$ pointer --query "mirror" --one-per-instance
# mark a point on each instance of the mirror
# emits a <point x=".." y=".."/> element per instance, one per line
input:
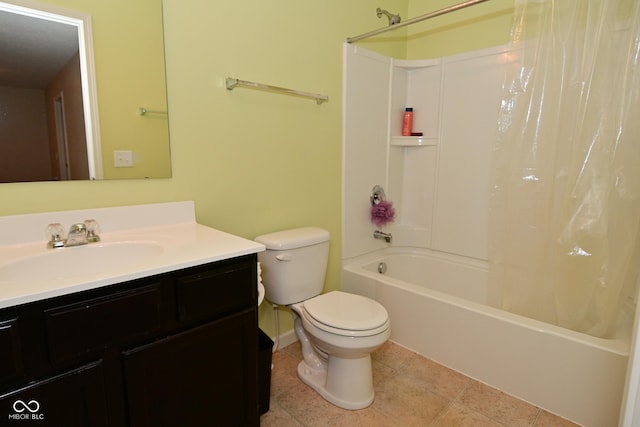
<point x="82" y="92"/>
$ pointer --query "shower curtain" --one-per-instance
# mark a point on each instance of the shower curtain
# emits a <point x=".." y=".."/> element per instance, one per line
<point x="565" y="190"/>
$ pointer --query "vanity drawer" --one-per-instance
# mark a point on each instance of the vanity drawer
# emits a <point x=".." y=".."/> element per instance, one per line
<point x="86" y="327"/>
<point x="214" y="292"/>
<point x="11" y="365"/>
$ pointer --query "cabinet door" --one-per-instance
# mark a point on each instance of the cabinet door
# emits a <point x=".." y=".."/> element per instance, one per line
<point x="84" y="328"/>
<point x="216" y="292"/>
<point x="11" y="354"/>
<point x="72" y="399"/>
<point x="204" y="376"/>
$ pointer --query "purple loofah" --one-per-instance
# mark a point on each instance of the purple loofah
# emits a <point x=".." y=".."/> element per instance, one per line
<point x="382" y="213"/>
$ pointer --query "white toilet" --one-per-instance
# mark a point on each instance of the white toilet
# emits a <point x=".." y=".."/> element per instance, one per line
<point x="338" y="331"/>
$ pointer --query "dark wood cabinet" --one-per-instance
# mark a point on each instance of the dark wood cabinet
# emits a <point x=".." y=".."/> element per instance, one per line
<point x="72" y="399"/>
<point x="175" y="349"/>
<point x="10" y="350"/>
<point x="211" y="386"/>
<point x="89" y="326"/>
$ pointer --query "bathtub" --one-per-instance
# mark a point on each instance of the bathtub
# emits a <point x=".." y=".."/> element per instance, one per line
<point x="437" y="306"/>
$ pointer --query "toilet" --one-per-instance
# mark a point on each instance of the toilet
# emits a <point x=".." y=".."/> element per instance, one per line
<point x="337" y="330"/>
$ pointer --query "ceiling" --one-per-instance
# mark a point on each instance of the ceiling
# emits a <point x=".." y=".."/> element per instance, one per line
<point x="33" y="50"/>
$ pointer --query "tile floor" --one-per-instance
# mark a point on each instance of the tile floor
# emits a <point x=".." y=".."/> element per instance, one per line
<point x="410" y="391"/>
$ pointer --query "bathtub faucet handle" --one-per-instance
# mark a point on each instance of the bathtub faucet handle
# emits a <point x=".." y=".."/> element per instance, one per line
<point x="380" y="235"/>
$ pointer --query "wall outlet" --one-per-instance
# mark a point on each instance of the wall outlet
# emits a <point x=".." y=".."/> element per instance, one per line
<point x="123" y="159"/>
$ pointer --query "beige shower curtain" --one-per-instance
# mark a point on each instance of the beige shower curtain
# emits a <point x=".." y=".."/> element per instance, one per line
<point x="565" y="200"/>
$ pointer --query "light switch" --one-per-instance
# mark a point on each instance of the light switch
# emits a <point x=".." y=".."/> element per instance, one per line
<point x="123" y="159"/>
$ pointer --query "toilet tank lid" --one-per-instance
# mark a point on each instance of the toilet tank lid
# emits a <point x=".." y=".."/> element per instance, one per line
<point x="293" y="238"/>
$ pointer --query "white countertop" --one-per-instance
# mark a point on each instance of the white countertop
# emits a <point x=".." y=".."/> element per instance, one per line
<point x="182" y="243"/>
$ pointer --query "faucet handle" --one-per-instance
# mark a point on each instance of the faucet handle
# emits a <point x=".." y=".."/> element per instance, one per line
<point x="93" y="229"/>
<point x="55" y="233"/>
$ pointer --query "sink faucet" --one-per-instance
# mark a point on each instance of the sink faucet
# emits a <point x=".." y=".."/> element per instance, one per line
<point x="380" y="235"/>
<point x="77" y="235"/>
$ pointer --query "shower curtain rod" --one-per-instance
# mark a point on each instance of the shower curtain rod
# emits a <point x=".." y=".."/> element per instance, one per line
<point x="416" y="19"/>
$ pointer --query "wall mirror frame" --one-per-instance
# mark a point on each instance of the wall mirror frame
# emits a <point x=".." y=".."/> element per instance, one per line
<point x="114" y="87"/>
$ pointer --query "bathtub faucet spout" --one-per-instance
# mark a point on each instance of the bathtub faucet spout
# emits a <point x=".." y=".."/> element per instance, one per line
<point x="377" y="234"/>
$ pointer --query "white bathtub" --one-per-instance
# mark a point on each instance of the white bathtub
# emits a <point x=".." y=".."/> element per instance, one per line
<point x="437" y="307"/>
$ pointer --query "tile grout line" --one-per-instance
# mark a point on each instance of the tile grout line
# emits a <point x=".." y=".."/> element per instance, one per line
<point x="452" y="402"/>
<point x="537" y="417"/>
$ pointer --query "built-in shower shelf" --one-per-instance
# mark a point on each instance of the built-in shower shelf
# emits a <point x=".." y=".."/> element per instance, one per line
<point x="413" y="141"/>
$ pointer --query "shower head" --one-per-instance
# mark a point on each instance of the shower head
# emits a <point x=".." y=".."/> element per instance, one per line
<point x="393" y="19"/>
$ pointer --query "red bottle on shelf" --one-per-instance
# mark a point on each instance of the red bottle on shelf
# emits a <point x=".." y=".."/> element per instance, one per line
<point x="407" y="122"/>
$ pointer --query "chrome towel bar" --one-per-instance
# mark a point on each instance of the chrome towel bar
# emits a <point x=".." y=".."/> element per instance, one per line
<point x="143" y="111"/>
<point x="232" y="83"/>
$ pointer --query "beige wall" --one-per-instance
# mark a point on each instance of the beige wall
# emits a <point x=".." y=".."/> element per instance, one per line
<point x="475" y="27"/>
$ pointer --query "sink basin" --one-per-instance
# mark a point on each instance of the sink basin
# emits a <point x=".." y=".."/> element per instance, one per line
<point x="91" y="259"/>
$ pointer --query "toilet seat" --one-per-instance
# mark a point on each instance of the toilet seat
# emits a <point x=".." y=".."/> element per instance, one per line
<point x="346" y="314"/>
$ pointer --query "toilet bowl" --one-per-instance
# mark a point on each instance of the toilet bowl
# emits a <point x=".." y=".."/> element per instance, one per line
<point x="337" y="360"/>
<point x="337" y="330"/>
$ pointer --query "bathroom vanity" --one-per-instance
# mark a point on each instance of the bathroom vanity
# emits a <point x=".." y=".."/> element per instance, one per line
<point x="170" y="339"/>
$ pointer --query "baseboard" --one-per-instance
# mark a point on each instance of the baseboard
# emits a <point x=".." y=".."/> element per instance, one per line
<point x="287" y="338"/>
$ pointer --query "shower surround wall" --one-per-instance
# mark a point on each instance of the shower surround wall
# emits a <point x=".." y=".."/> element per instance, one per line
<point x="440" y="190"/>
<point x="439" y="184"/>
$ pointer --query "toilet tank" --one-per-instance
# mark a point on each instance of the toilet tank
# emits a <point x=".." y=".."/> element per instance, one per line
<point x="294" y="264"/>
